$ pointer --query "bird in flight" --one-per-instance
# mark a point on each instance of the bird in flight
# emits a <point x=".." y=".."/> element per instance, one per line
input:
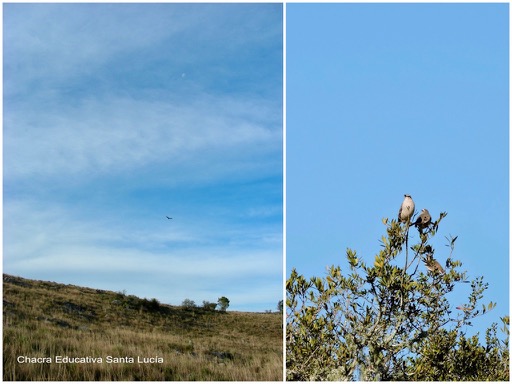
<point x="169" y="217"/>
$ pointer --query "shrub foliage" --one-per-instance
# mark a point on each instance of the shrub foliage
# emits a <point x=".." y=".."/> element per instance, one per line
<point x="391" y="319"/>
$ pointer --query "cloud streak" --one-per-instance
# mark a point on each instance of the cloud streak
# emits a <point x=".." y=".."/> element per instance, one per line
<point x="83" y="40"/>
<point x="117" y="134"/>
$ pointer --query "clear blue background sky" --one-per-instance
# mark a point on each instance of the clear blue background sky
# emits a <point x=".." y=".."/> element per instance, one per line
<point x="116" y="115"/>
<point x="388" y="99"/>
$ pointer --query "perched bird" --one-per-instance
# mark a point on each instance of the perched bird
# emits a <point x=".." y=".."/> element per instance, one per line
<point x="433" y="265"/>
<point x="169" y="217"/>
<point x="423" y="219"/>
<point x="464" y="308"/>
<point x="406" y="210"/>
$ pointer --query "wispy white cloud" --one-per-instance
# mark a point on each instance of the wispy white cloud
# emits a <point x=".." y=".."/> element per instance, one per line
<point x="118" y="134"/>
<point x="208" y="263"/>
<point x="34" y="226"/>
<point x="69" y="44"/>
<point x="53" y="45"/>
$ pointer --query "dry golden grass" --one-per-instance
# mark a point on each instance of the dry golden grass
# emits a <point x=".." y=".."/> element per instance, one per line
<point x="43" y="319"/>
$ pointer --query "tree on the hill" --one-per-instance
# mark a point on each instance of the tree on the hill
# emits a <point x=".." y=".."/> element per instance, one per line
<point x="223" y="303"/>
<point x="188" y="304"/>
<point x="280" y="306"/>
<point x="391" y="319"/>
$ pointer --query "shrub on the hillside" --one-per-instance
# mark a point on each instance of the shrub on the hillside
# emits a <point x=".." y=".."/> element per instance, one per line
<point x="209" y="306"/>
<point x="188" y="304"/>
<point x="152" y="305"/>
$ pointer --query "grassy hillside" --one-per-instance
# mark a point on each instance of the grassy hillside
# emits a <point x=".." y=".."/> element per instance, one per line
<point x="122" y="337"/>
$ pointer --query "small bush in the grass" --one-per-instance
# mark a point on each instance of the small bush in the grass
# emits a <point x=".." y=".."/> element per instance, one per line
<point x="188" y="304"/>
<point x="209" y="306"/>
<point x="152" y="305"/>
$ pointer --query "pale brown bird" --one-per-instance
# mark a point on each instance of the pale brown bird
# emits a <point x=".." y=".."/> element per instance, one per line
<point x="433" y="265"/>
<point x="406" y="209"/>
<point x="423" y="220"/>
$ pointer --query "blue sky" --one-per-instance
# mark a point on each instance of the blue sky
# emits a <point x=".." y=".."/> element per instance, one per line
<point x="388" y="99"/>
<point x="116" y="115"/>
